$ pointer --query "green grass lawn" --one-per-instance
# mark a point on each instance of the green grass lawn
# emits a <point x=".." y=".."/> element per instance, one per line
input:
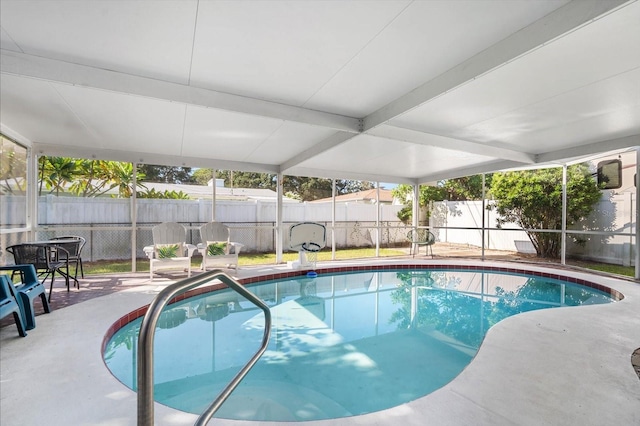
<point x="249" y="259"/>
<point x="254" y="259"/>
<point x="628" y="271"/>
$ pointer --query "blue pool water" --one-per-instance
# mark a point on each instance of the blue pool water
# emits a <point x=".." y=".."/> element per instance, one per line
<point x="341" y="345"/>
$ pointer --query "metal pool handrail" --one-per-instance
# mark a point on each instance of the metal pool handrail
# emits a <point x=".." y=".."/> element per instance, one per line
<point x="147" y="334"/>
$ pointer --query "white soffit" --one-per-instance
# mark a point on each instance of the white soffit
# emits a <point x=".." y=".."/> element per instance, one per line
<point x="568" y="82"/>
<point x="151" y="39"/>
<point x="36" y="110"/>
<point x="438" y="89"/>
<point x="426" y="39"/>
<point x="225" y="135"/>
<point x="287" y="141"/>
<point x="386" y="156"/>
<point x="606" y="109"/>
<point x="283" y="51"/>
<point x="232" y="136"/>
<point x="121" y="122"/>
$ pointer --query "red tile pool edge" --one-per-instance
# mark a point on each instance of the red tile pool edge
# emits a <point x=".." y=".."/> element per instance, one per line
<point x="131" y="316"/>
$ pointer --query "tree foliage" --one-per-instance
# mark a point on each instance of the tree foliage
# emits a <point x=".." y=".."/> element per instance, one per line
<point x="86" y="178"/>
<point x="166" y="174"/>
<point x="202" y="176"/>
<point x="90" y="178"/>
<point x="459" y="189"/>
<point x="247" y="179"/>
<point x="166" y="194"/>
<point x="466" y="188"/>
<point x="13" y="168"/>
<point x="532" y="199"/>
<point x="298" y="187"/>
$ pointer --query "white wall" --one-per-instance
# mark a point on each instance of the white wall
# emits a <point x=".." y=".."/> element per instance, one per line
<point x="468" y="214"/>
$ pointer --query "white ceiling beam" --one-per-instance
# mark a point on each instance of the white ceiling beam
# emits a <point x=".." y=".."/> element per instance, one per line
<point x="414" y="136"/>
<point x="325" y="145"/>
<point x="23" y="65"/>
<point x="565" y="155"/>
<point x="149" y="158"/>
<point x="554" y="25"/>
<point x="15" y="136"/>
<point x="468" y="171"/>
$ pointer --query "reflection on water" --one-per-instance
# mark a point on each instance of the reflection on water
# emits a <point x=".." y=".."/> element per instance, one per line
<point x="341" y="344"/>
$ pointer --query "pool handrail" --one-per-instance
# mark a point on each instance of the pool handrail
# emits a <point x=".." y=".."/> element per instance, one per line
<point x="147" y="334"/>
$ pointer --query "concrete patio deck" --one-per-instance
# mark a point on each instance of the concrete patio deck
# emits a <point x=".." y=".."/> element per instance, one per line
<point x="557" y="367"/>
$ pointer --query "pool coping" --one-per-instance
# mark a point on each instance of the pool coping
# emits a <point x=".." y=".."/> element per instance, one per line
<point x="564" y="366"/>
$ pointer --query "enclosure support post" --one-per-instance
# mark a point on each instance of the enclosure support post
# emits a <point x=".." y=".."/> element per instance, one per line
<point x="416" y="206"/>
<point x="631" y="231"/>
<point x="32" y="194"/>
<point x="333" y="219"/>
<point x="134" y="216"/>
<point x="280" y="191"/>
<point x="377" y="219"/>
<point x="563" y="240"/>
<point x="415" y="219"/>
<point x="213" y="195"/>
<point x="637" y="184"/>
<point x="483" y="213"/>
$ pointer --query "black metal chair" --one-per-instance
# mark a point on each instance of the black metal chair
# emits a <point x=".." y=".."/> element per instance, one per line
<point x="46" y="258"/>
<point x="73" y="244"/>
<point x="421" y="237"/>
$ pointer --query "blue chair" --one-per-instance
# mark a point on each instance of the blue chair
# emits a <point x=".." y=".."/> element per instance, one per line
<point x="9" y="304"/>
<point x="27" y="291"/>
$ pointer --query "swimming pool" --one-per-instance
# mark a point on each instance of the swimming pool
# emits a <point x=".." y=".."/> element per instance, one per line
<point x="342" y="344"/>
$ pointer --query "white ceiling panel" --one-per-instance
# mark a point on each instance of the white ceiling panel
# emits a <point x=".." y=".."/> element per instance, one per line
<point x="6" y="42"/>
<point x="121" y="122"/>
<point x="148" y="38"/>
<point x="425" y="40"/>
<point x="391" y="157"/>
<point x="225" y="135"/>
<point x="37" y="109"/>
<point x="393" y="91"/>
<point x="287" y="141"/>
<point x="595" y="107"/>
<point x="580" y="61"/>
<point x="614" y="125"/>
<point x="282" y="51"/>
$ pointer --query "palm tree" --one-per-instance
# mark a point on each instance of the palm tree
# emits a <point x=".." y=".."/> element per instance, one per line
<point x="13" y="168"/>
<point x="56" y="172"/>
<point x="88" y="178"/>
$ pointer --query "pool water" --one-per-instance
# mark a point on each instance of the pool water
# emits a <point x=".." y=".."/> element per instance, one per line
<point x="341" y="345"/>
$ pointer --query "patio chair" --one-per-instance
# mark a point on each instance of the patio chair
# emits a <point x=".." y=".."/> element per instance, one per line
<point x="47" y="259"/>
<point x="9" y="304"/>
<point x="216" y="246"/>
<point x="27" y="291"/>
<point x="421" y="237"/>
<point x="73" y="244"/>
<point x="170" y="249"/>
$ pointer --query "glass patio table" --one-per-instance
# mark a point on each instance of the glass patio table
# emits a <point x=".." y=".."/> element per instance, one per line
<point x="47" y="256"/>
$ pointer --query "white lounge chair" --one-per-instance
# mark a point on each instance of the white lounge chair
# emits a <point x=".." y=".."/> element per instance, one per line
<point x="216" y="247"/>
<point x="170" y="249"/>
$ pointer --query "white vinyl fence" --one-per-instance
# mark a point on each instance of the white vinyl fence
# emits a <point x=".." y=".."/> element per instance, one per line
<point x="106" y="224"/>
<point x="591" y="239"/>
